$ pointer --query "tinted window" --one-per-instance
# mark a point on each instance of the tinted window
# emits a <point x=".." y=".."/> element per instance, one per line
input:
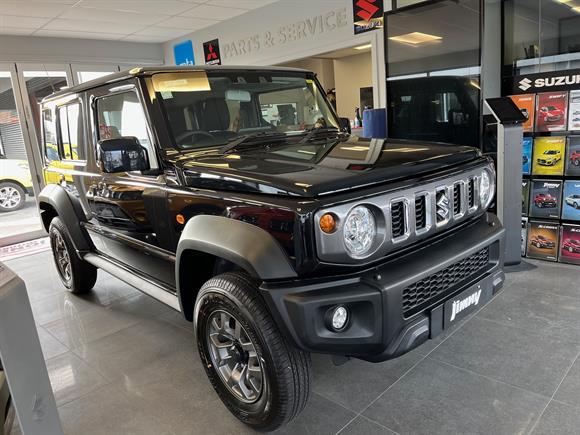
<point x="71" y="131"/>
<point x="50" y="143"/>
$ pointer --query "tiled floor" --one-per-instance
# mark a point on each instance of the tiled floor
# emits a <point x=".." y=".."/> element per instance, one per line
<point x="121" y="363"/>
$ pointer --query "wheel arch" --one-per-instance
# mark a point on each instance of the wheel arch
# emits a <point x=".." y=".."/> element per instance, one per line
<point x="210" y="245"/>
<point x="13" y="181"/>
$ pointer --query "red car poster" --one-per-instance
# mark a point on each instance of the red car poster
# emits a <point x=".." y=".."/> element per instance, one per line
<point x="543" y="240"/>
<point x="570" y="244"/>
<point x="552" y="111"/>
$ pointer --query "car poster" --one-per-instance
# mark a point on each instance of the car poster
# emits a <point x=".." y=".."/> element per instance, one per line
<point x="524" y="238"/>
<point x="551" y="111"/>
<point x="527" y="104"/>
<point x="543" y="240"/>
<point x="527" y="155"/>
<point x="573" y="156"/>
<point x="570" y="244"/>
<point x="574" y="111"/>
<point x="525" y="197"/>
<point x="549" y="155"/>
<point x="571" y="201"/>
<point x="545" y="199"/>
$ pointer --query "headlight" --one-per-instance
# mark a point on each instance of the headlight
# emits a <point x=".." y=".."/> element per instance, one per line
<point x="359" y="231"/>
<point x="486" y="188"/>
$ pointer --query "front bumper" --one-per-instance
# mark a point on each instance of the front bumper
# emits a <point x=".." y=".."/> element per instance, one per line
<point x="385" y="320"/>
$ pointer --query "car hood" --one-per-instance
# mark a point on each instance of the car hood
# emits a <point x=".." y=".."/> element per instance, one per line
<point x="317" y="168"/>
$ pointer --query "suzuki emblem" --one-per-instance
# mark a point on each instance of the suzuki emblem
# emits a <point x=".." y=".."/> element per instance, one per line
<point x="443" y="208"/>
<point x="525" y="84"/>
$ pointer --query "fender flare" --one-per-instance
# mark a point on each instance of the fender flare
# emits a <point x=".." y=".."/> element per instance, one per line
<point x="70" y="211"/>
<point x="243" y="244"/>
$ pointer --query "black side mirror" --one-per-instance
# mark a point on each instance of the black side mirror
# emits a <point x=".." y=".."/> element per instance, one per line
<point x="123" y="154"/>
<point x="345" y="125"/>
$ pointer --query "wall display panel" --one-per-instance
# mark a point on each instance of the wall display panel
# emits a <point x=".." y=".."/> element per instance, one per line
<point x="527" y="155"/>
<point x="551" y="111"/>
<point x="545" y="199"/>
<point x="571" y="201"/>
<point x="543" y="238"/>
<point x="525" y="197"/>
<point x="549" y="156"/>
<point x="527" y="104"/>
<point x="570" y="244"/>
<point x="573" y="157"/>
<point x="574" y="111"/>
<point x="524" y="236"/>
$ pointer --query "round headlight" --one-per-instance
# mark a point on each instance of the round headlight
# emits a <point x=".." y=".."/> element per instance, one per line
<point x="486" y="188"/>
<point x="359" y="231"/>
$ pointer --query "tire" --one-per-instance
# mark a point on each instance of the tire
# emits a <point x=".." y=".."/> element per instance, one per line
<point x="12" y="197"/>
<point x="281" y="392"/>
<point x="576" y="206"/>
<point x="576" y="162"/>
<point x="77" y="275"/>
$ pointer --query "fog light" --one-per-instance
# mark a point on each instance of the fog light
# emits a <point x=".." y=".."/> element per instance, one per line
<point x="337" y="318"/>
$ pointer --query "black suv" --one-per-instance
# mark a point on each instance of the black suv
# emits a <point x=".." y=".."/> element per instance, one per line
<point x="236" y="196"/>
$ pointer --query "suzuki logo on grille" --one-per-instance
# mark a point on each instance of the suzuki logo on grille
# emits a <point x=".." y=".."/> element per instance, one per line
<point x="443" y="206"/>
<point x="525" y="84"/>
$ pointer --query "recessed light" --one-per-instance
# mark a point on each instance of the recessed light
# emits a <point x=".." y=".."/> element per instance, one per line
<point x="415" y="38"/>
<point x="363" y="47"/>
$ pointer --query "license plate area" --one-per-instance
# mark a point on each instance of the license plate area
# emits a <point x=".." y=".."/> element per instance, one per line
<point x="466" y="302"/>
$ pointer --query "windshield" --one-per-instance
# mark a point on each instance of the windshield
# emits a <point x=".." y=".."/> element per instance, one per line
<point x="206" y="108"/>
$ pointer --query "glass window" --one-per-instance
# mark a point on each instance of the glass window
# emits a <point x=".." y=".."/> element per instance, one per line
<point x="71" y="131"/>
<point x="121" y="115"/>
<point x="50" y="142"/>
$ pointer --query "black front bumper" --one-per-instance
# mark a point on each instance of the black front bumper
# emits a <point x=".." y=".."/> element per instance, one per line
<point x="389" y="312"/>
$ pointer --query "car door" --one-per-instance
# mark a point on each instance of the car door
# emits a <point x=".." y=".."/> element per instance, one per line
<point x="130" y="208"/>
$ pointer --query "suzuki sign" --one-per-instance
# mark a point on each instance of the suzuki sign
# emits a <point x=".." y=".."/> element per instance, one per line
<point x="553" y="81"/>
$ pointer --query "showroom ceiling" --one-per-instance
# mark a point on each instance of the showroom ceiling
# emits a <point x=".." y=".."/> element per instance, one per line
<point x="128" y="20"/>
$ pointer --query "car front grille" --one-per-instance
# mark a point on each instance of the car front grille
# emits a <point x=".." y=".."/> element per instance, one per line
<point x="423" y="293"/>
<point x="398" y="219"/>
<point x="421" y="212"/>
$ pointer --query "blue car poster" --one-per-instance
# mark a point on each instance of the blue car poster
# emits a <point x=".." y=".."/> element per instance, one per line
<point x="571" y="201"/>
<point x="527" y="155"/>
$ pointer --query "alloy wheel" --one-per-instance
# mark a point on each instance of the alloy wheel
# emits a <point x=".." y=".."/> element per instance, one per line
<point x="234" y="356"/>
<point x="10" y="197"/>
<point x="62" y="257"/>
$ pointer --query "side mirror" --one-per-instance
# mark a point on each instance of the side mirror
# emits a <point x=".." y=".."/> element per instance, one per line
<point x="345" y="125"/>
<point x="123" y="154"/>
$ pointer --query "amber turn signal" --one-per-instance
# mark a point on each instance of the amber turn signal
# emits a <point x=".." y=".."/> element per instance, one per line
<point x="180" y="219"/>
<point x="327" y="223"/>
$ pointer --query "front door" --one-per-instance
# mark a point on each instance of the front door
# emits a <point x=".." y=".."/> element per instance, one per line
<point x="130" y="208"/>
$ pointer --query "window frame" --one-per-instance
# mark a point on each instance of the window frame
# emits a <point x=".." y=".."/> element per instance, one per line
<point x="81" y="148"/>
<point x="119" y="89"/>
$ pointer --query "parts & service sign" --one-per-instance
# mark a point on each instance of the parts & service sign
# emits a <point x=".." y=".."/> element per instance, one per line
<point x="367" y="15"/>
<point x="211" y="51"/>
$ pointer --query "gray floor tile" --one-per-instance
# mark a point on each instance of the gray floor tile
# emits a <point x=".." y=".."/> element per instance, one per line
<point x="58" y="306"/>
<point x="357" y="383"/>
<point x="556" y="278"/>
<point x="363" y="426"/>
<point x="519" y="357"/>
<point x="72" y="378"/>
<point x="538" y="311"/>
<point x="436" y="398"/>
<point x="559" y="419"/>
<point x="569" y="390"/>
<point x="51" y="347"/>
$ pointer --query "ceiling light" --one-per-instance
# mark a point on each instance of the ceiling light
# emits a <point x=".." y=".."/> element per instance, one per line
<point x="415" y="38"/>
<point x="363" y="47"/>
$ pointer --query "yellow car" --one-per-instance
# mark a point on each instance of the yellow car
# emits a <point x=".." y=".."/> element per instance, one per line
<point x="15" y="184"/>
<point x="549" y="158"/>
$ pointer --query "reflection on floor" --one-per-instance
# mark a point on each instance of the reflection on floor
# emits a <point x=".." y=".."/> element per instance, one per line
<point x="121" y="363"/>
<point x="14" y="223"/>
<point x="23" y="249"/>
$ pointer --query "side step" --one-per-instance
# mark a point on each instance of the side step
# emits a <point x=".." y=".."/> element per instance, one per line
<point x="149" y="288"/>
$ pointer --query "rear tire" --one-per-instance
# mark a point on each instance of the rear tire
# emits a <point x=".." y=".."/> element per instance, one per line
<point x="237" y="336"/>
<point x="77" y="275"/>
<point x="12" y="197"/>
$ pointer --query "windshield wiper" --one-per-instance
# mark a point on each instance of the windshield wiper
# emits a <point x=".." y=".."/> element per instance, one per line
<point x="313" y="132"/>
<point x="250" y="139"/>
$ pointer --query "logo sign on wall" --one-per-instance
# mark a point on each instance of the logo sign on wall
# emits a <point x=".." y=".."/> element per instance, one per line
<point x="368" y="15"/>
<point x="211" y="52"/>
<point x="543" y="82"/>
<point x="183" y="53"/>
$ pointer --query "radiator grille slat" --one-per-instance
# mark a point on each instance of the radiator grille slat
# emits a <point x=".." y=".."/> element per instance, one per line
<point x="427" y="291"/>
<point x="398" y="219"/>
<point x="456" y="199"/>
<point x="420" y="212"/>
<point x="471" y="193"/>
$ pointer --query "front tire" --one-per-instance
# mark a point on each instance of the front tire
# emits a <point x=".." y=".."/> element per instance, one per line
<point x="77" y="275"/>
<point x="261" y="378"/>
<point x="12" y="197"/>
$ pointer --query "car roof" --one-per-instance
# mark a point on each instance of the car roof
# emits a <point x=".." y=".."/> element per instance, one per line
<point x="148" y="71"/>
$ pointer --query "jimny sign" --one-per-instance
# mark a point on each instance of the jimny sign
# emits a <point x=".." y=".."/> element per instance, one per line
<point x="544" y="82"/>
<point x="302" y="30"/>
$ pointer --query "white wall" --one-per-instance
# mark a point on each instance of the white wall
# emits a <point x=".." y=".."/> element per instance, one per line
<point x="70" y="50"/>
<point x="350" y="74"/>
<point x="324" y="69"/>
<point x="289" y="30"/>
